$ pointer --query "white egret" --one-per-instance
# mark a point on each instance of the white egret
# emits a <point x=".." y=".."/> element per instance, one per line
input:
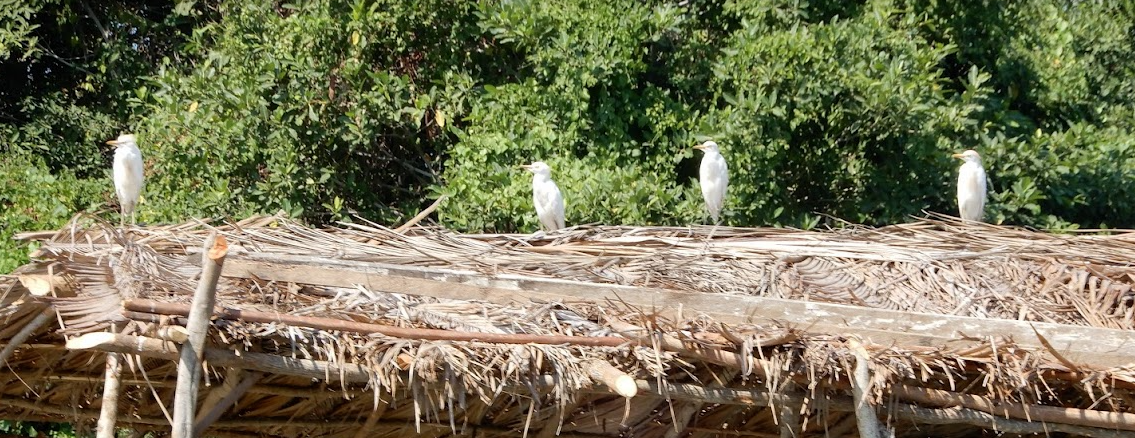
<point x="971" y="187"/>
<point x="549" y="201"/>
<point x="714" y="178"/>
<point x="128" y="177"/>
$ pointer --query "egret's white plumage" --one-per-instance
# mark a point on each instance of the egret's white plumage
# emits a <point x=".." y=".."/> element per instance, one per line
<point x="549" y="202"/>
<point x="971" y="187"/>
<point x="714" y="178"/>
<point x="128" y="177"/>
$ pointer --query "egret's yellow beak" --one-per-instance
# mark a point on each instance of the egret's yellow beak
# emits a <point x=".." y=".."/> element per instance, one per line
<point x="958" y="156"/>
<point x="524" y="166"/>
<point x="700" y="147"/>
<point x="112" y="142"/>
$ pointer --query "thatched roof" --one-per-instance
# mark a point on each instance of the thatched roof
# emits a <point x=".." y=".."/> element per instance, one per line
<point x="362" y="330"/>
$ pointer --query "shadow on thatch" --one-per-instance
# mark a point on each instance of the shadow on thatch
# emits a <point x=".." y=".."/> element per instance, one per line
<point x="365" y="331"/>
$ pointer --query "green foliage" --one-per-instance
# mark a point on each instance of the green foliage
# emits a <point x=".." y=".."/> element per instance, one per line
<point x="305" y="109"/>
<point x="37" y="429"/>
<point x="326" y="109"/>
<point x="32" y="197"/>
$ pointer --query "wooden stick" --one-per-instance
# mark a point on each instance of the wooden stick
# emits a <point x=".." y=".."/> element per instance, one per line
<point x="110" y="390"/>
<point x="1035" y="413"/>
<point x="233" y="314"/>
<point x="865" y="418"/>
<point x="189" y="367"/>
<point x="422" y="215"/>
<point x="228" y="395"/>
<point x="606" y="374"/>
<point x="44" y="316"/>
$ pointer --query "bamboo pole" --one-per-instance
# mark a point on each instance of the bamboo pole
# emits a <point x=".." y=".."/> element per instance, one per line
<point x="134" y="307"/>
<point x="865" y="418"/>
<point x="189" y="367"/>
<point x="44" y="316"/>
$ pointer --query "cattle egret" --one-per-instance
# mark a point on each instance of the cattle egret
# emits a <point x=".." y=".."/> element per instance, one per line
<point x="714" y="178"/>
<point x="971" y="187"/>
<point x="127" y="174"/>
<point x="549" y="201"/>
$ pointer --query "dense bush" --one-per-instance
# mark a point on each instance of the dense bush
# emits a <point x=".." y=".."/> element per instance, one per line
<point x="325" y="109"/>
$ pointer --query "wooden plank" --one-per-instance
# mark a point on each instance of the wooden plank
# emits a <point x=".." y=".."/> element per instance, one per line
<point x="1093" y="347"/>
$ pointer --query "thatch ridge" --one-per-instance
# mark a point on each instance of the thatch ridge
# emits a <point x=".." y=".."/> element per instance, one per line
<point x="934" y="266"/>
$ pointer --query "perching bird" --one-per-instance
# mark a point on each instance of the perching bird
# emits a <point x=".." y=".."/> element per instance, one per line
<point x="128" y="177"/>
<point x="971" y="187"/>
<point x="714" y="178"/>
<point x="549" y="201"/>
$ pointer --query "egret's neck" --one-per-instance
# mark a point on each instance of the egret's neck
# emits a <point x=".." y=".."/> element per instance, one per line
<point x="541" y="178"/>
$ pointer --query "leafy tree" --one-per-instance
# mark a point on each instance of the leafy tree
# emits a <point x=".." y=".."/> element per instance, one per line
<point x="325" y="109"/>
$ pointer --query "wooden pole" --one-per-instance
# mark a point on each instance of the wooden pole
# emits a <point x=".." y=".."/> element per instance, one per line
<point x="135" y="307"/>
<point x="44" y="316"/>
<point x="110" y="390"/>
<point x="865" y="418"/>
<point x="189" y="367"/>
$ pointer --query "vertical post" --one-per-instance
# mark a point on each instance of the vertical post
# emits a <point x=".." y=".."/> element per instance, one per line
<point x="865" y="418"/>
<point x="110" y="390"/>
<point x="192" y="353"/>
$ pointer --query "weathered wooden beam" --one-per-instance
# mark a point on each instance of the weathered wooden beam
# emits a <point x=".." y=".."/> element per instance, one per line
<point x="1093" y="347"/>
<point x="193" y="352"/>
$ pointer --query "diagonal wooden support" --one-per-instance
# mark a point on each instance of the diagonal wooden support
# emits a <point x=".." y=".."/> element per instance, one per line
<point x="237" y="382"/>
<point x="192" y="353"/>
<point x="40" y="320"/>
<point x="372" y="419"/>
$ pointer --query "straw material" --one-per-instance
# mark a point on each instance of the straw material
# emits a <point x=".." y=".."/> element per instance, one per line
<point x="937" y="266"/>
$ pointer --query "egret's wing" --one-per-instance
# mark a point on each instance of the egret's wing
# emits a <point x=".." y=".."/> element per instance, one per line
<point x="558" y="207"/>
<point x="971" y="192"/>
<point x="549" y="205"/>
